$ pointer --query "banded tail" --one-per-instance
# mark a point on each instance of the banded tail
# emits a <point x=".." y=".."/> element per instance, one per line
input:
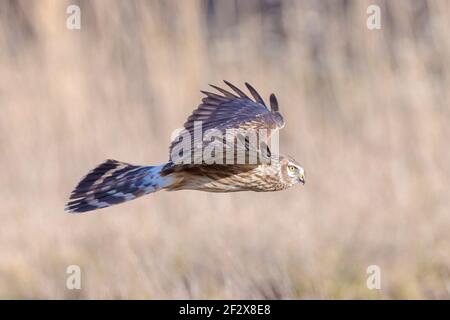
<point x="114" y="182"/>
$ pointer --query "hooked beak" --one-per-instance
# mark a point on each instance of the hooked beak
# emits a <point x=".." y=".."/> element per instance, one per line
<point x="301" y="177"/>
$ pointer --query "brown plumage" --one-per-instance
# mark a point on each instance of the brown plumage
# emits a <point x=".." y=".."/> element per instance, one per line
<point x="231" y="116"/>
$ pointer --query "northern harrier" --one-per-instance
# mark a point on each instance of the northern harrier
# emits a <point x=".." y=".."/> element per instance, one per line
<point x="114" y="182"/>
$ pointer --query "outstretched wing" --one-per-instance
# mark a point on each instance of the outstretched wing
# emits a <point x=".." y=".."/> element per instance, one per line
<point x="230" y="114"/>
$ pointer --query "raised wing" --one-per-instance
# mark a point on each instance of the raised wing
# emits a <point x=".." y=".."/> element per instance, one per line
<point x="228" y="114"/>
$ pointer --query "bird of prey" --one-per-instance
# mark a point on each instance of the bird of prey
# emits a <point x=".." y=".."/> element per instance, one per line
<point x="230" y="113"/>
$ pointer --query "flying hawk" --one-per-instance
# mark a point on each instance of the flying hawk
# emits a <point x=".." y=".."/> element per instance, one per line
<point x="232" y="114"/>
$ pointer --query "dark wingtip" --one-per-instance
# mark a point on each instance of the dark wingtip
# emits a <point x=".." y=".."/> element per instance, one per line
<point x="273" y="103"/>
<point x="255" y="94"/>
<point x="236" y="89"/>
<point x="223" y="91"/>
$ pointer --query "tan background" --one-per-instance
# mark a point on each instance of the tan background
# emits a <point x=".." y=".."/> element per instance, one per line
<point x="367" y="114"/>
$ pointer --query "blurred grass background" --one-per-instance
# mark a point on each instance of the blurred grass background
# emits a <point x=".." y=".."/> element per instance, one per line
<point x="367" y="114"/>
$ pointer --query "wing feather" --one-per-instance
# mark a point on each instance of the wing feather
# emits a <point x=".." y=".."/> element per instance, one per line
<point x="255" y="94"/>
<point x="273" y="103"/>
<point x="225" y="92"/>
<point x="236" y="89"/>
<point x="230" y="111"/>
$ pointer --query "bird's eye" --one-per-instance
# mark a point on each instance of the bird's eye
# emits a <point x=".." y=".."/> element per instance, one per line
<point x="292" y="168"/>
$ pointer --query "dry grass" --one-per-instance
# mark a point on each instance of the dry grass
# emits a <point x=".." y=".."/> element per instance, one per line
<point x="367" y="115"/>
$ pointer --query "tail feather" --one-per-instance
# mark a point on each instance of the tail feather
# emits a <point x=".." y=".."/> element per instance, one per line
<point x="114" y="182"/>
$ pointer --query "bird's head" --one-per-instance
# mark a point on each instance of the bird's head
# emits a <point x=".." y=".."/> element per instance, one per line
<point x="291" y="171"/>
